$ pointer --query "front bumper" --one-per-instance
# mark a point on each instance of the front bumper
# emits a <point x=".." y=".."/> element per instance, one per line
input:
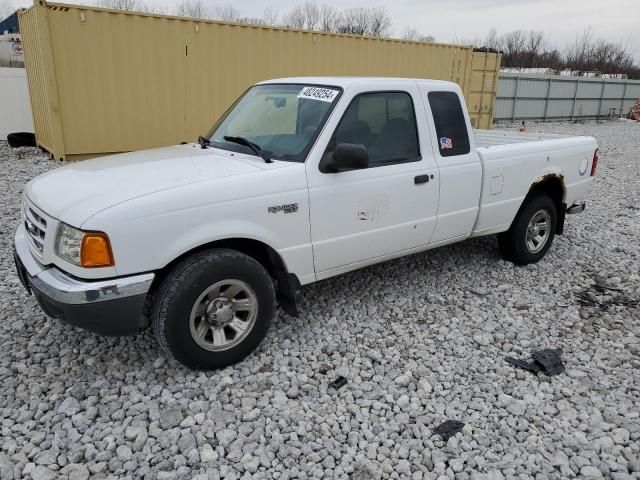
<point x="108" y="307"/>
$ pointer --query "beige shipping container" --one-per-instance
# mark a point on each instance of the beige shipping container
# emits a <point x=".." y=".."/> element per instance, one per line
<point x="104" y="81"/>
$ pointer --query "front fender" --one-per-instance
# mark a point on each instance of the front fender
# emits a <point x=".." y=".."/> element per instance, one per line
<point x="216" y="231"/>
<point x="146" y="235"/>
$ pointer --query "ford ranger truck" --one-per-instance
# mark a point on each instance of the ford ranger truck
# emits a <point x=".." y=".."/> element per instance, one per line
<point x="300" y="180"/>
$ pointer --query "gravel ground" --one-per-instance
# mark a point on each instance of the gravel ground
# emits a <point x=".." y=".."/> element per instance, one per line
<point x="420" y="340"/>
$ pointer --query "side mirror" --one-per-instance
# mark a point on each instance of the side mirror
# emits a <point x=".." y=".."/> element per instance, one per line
<point x="346" y="156"/>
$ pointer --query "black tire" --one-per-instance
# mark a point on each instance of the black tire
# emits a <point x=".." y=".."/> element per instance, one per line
<point x="183" y="287"/>
<point x="21" y="139"/>
<point x="513" y="244"/>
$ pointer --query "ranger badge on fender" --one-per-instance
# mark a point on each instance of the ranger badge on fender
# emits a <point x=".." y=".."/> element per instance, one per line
<point x="288" y="208"/>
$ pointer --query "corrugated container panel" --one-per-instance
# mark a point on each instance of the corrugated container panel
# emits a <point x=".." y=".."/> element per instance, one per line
<point x="481" y="93"/>
<point x="532" y="88"/>
<point x="633" y="91"/>
<point x="112" y="87"/>
<point x="125" y="81"/>
<point x="504" y="108"/>
<point x="530" y="108"/>
<point x="587" y="108"/>
<point x="507" y="86"/>
<point x="608" y="105"/>
<point x="562" y="89"/>
<point x="613" y="90"/>
<point x="591" y="101"/>
<point x="37" y="85"/>
<point x="482" y="61"/>
<point x="559" y="109"/>
<point x="590" y="89"/>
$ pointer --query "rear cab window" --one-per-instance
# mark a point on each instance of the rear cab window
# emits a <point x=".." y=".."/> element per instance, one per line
<point x="451" y="126"/>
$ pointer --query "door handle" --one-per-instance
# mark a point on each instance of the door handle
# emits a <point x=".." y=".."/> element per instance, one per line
<point x="421" y="179"/>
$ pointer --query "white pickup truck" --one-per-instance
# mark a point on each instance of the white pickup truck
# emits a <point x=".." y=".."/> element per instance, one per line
<point x="300" y="180"/>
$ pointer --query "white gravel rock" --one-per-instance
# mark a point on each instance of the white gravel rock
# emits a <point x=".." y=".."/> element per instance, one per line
<point x="421" y="340"/>
<point x="403" y="380"/>
<point x="590" y="472"/>
<point x="69" y="407"/>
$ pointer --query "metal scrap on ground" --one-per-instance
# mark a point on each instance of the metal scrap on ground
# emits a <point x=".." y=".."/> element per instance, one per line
<point x="448" y="429"/>
<point x="338" y="383"/>
<point x="603" y="285"/>
<point x="548" y="361"/>
<point x="587" y="300"/>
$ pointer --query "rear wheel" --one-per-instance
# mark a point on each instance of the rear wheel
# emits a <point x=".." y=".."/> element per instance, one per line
<point x="532" y="231"/>
<point x="214" y="308"/>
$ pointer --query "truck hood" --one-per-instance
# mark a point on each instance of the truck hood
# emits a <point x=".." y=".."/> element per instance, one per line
<point x="76" y="192"/>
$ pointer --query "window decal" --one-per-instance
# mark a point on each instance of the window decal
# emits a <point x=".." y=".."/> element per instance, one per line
<point x="318" y="93"/>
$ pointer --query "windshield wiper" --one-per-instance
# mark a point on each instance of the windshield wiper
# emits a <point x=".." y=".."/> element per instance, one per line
<point x="247" y="143"/>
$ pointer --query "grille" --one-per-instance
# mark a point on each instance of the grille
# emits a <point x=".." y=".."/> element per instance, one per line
<point x="36" y="227"/>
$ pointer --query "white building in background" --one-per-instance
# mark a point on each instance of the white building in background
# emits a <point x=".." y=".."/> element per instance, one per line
<point x="15" y="106"/>
<point x="11" y="54"/>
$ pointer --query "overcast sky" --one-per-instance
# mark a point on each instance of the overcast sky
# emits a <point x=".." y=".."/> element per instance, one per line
<point x="448" y="20"/>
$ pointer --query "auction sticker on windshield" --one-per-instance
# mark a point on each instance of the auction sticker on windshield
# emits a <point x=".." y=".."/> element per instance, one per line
<point x="318" y="93"/>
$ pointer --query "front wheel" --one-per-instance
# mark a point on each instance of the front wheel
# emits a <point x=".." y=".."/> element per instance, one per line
<point x="532" y="231"/>
<point x="213" y="308"/>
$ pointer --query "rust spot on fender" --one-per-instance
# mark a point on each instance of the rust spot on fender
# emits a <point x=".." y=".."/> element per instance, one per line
<point x="544" y="178"/>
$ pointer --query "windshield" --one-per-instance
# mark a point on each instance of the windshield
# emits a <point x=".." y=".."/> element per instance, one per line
<point x="283" y="120"/>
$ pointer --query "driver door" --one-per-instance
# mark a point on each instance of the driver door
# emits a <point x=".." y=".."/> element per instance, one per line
<point x="366" y="215"/>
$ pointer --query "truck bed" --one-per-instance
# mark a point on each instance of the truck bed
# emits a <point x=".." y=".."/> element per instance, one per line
<point x="493" y="138"/>
<point x="512" y="162"/>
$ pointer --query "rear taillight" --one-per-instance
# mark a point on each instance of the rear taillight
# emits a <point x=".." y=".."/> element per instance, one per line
<point x="594" y="164"/>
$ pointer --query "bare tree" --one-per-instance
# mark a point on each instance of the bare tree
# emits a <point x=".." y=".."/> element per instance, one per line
<point x="326" y="18"/>
<point x="522" y="49"/>
<point x="354" y="21"/>
<point x="305" y="16"/>
<point x="492" y="40"/>
<point x="588" y="54"/>
<point x="6" y="8"/>
<point x="192" y="9"/>
<point x="374" y="22"/>
<point x="295" y="18"/>
<point x="124" y="5"/>
<point x="157" y="8"/>
<point x="271" y="15"/>
<point x="311" y="15"/>
<point x="227" y="13"/>
<point x="413" y="34"/>
<point x="329" y="18"/>
<point x="379" y="22"/>
<point x="534" y="46"/>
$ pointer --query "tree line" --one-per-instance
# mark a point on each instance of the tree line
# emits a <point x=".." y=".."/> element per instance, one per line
<point x="368" y="21"/>
<point x="531" y="49"/>
<point x="520" y="48"/>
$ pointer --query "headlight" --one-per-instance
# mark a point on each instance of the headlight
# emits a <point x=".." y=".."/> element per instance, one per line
<point x="84" y="249"/>
<point x="69" y="243"/>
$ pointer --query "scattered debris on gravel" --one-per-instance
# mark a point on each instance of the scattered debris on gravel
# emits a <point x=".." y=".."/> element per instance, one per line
<point x="448" y="429"/>
<point x="419" y="340"/>
<point x="547" y="361"/>
<point x="338" y="383"/>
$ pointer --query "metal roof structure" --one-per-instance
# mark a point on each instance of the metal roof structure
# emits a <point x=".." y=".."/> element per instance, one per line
<point x="10" y="24"/>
